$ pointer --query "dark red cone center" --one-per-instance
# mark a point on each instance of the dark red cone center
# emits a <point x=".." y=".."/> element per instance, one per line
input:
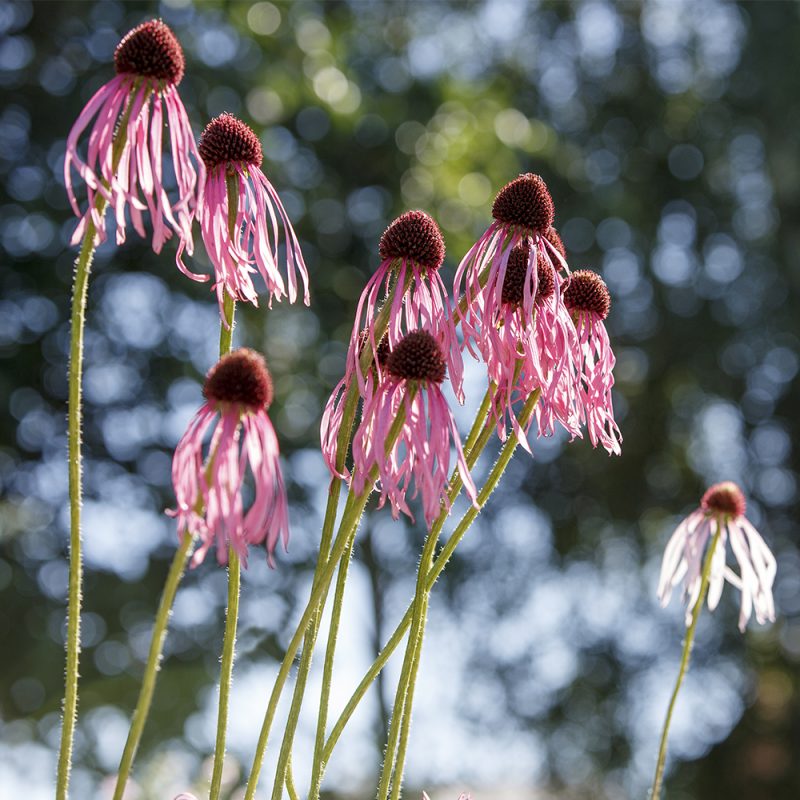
<point x="516" y="270"/>
<point x="587" y="291"/>
<point x="416" y="237"/>
<point x="151" y="50"/>
<point x="724" y="498"/>
<point x="417" y="357"/>
<point x="227" y="140"/>
<point x="526" y="203"/>
<point x="240" y="377"/>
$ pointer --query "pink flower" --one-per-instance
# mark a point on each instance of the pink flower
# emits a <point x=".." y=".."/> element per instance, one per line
<point x="410" y="384"/>
<point x="208" y="481"/>
<point x="523" y="354"/>
<point x="149" y="63"/>
<point x="523" y="212"/>
<point x="514" y="317"/>
<point x="232" y="156"/>
<point x="412" y="250"/>
<point x="722" y="508"/>
<point x="587" y="298"/>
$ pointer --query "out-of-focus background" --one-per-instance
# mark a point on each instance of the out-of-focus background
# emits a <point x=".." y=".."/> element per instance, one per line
<point x="668" y="134"/>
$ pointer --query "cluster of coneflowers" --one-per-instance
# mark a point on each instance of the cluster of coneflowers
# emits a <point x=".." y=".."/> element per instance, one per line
<point x="515" y="305"/>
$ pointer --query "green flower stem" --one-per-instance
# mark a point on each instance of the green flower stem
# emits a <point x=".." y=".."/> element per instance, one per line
<point x="506" y="452"/>
<point x="226" y="333"/>
<point x="354" y="508"/>
<point x="401" y="714"/>
<point x="480" y="432"/>
<point x="234" y="566"/>
<point x="401" y="709"/>
<point x="226" y="672"/>
<point x="290" y="787"/>
<point x="327" y="673"/>
<point x="342" y="446"/>
<point x="687" y="652"/>
<point x="83" y="268"/>
<point x="153" y="663"/>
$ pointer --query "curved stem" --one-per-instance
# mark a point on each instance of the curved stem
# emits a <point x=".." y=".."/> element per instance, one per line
<point x="342" y="445"/>
<point x="290" y="787"/>
<point x="440" y="563"/>
<point x="234" y="567"/>
<point x="83" y="268"/>
<point x="153" y="663"/>
<point x="354" y="508"/>
<point x="687" y="652"/>
<point x="226" y="672"/>
<point x="327" y="673"/>
<point x="400" y="726"/>
<point x="401" y="709"/>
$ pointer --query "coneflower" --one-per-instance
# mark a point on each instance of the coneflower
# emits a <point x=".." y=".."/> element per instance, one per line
<point x="131" y="110"/>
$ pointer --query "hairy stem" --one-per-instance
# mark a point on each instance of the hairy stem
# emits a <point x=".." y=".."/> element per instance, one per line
<point x="226" y="672"/>
<point x="327" y="672"/>
<point x="83" y="268"/>
<point x="153" y="664"/>
<point x="354" y="508"/>
<point x="687" y="652"/>
<point x="401" y="711"/>
<point x="440" y="563"/>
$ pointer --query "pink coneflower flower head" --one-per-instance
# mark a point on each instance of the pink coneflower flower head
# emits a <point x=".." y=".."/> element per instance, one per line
<point x="124" y="159"/>
<point x="523" y="210"/>
<point x="241" y="216"/>
<point x="528" y="353"/>
<point x="209" y="481"/>
<point x="410" y="385"/>
<point x="333" y="414"/>
<point x="588" y="300"/>
<point x="412" y="250"/>
<point x="721" y="509"/>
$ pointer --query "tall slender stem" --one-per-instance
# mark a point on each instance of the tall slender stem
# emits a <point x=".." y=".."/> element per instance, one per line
<point x="290" y="787"/>
<point x="342" y="445"/>
<point x="226" y="671"/>
<point x="153" y="664"/>
<point x="442" y="559"/>
<point x="327" y="672"/>
<point x="354" y="508"/>
<point x="234" y="567"/>
<point x="401" y="709"/>
<point x="687" y="652"/>
<point x="83" y="268"/>
<point x="401" y="714"/>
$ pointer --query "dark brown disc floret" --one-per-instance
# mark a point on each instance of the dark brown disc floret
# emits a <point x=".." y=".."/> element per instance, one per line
<point x="724" y="498"/>
<point x="417" y="357"/>
<point x="152" y="51"/>
<point x="587" y="291"/>
<point x="416" y="237"/>
<point x="240" y="377"/>
<point x="525" y="203"/>
<point x="227" y="140"/>
<point x="514" y="281"/>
